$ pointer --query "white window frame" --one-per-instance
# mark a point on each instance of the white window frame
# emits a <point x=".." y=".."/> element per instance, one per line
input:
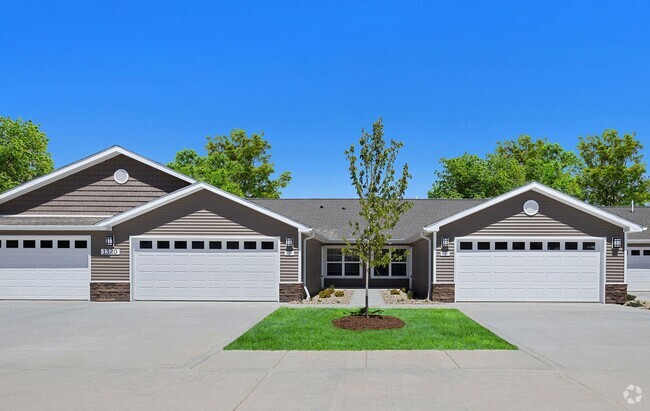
<point x="390" y="266"/>
<point x="206" y="239"/>
<point x="343" y="262"/>
<point x="527" y="241"/>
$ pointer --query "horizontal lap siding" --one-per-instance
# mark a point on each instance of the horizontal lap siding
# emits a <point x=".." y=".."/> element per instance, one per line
<point x="203" y="213"/>
<point x="507" y="219"/>
<point x="420" y="267"/>
<point x="94" y="191"/>
<point x="313" y="267"/>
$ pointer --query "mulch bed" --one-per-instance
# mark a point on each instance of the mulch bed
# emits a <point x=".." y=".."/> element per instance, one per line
<point x="375" y="322"/>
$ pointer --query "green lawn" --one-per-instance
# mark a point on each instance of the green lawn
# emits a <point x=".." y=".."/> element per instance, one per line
<point x="312" y="329"/>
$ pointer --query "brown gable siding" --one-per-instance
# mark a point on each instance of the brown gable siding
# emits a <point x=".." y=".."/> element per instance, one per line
<point x="94" y="191"/>
<point x="202" y="213"/>
<point x="508" y="219"/>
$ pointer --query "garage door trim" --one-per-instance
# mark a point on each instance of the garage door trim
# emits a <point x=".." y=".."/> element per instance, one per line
<point x="173" y="237"/>
<point x="601" y="246"/>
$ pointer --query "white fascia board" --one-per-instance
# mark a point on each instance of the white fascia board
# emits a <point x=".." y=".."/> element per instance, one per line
<point x="83" y="164"/>
<point x="627" y="225"/>
<point x="52" y="228"/>
<point x="196" y="187"/>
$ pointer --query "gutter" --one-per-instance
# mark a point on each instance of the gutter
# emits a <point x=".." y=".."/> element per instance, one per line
<point x="304" y="256"/>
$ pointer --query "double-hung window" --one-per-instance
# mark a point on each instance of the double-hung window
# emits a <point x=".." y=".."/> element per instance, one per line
<point x="398" y="266"/>
<point x="339" y="265"/>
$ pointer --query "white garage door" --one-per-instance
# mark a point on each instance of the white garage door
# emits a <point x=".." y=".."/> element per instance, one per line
<point x="211" y="269"/>
<point x="638" y="269"/>
<point x="45" y="267"/>
<point x="528" y="270"/>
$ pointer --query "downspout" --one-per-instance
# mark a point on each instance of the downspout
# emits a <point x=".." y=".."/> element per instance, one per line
<point x="428" y="264"/>
<point x="304" y="263"/>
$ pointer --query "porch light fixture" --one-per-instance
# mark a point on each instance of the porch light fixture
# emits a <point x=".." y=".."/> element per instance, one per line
<point x="110" y="240"/>
<point x="445" y="242"/>
<point x="616" y="242"/>
<point x="288" y="242"/>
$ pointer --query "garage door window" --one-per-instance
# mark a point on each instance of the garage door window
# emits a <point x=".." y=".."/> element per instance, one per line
<point x="232" y="245"/>
<point x="146" y="245"/>
<point x="215" y="245"/>
<point x="198" y="245"/>
<point x="162" y="245"/>
<point x="250" y="245"/>
<point x="180" y="245"/>
<point x="81" y="244"/>
<point x="47" y="243"/>
<point x="12" y="243"/>
<point x="552" y="245"/>
<point x="29" y="244"/>
<point x="268" y="245"/>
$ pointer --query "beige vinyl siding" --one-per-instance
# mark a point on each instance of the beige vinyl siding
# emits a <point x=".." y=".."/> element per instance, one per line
<point x="420" y="267"/>
<point x="313" y="266"/>
<point x="94" y="191"/>
<point x="202" y="213"/>
<point x="507" y="219"/>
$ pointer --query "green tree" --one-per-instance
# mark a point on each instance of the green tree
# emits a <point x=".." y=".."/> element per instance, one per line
<point x="381" y="198"/>
<point x="236" y="163"/>
<point x="545" y="162"/>
<point x="470" y="176"/>
<point x="23" y="152"/>
<point x="614" y="171"/>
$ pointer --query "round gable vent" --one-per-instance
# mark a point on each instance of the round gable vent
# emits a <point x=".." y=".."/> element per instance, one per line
<point x="121" y="176"/>
<point x="531" y="207"/>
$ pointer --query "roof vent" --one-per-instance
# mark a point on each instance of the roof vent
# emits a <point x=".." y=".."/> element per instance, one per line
<point x="531" y="207"/>
<point x="121" y="176"/>
<point x="321" y="206"/>
<point x="342" y="208"/>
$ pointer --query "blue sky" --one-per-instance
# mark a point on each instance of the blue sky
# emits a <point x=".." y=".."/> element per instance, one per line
<point x="447" y="77"/>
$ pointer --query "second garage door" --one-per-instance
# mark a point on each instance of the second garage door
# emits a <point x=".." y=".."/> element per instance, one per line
<point x="210" y="269"/>
<point x="528" y="270"/>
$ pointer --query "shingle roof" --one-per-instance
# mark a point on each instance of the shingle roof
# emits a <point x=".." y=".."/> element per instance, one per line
<point x="19" y="220"/>
<point x="641" y="215"/>
<point x="330" y="217"/>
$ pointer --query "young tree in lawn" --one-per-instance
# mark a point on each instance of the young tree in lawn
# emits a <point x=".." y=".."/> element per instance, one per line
<point x="381" y="199"/>
<point x="614" y="171"/>
<point x="236" y="163"/>
<point x="23" y="152"/>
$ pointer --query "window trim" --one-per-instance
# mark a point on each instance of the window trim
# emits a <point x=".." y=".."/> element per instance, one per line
<point x="406" y="262"/>
<point x="324" y="263"/>
<point x="545" y="240"/>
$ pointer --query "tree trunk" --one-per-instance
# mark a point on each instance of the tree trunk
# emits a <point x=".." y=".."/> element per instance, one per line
<point x="367" y="286"/>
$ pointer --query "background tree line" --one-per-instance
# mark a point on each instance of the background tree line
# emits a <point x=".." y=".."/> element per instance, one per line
<point x="607" y="170"/>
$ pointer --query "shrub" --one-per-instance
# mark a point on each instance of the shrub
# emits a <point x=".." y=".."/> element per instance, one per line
<point x="394" y="291"/>
<point x="339" y="293"/>
<point x="326" y="293"/>
<point x="630" y="297"/>
<point x="634" y="304"/>
<point x="409" y="294"/>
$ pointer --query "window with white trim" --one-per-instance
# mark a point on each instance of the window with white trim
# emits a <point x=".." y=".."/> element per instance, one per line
<point x="398" y="266"/>
<point x="339" y="265"/>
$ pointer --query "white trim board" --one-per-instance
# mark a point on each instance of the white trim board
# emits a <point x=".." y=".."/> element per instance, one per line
<point x="84" y="164"/>
<point x="191" y="189"/>
<point x="627" y="225"/>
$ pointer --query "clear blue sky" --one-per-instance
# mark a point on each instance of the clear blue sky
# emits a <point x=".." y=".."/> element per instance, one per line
<point x="447" y="77"/>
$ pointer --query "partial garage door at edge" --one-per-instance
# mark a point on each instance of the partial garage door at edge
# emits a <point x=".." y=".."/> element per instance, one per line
<point x="206" y="269"/>
<point x="45" y="267"/>
<point x="528" y="269"/>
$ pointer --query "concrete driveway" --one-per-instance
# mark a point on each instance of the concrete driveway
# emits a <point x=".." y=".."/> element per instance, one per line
<point x="169" y="356"/>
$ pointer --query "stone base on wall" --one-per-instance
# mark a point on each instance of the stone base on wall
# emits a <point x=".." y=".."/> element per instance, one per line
<point x="106" y="292"/>
<point x="615" y="293"/>
<point x="291" y="292"/>
<point x="444" y="293"/>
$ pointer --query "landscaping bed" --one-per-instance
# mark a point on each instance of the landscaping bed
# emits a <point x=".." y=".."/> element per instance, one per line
<point x="395" y="296"/>
<point x="313" y="329"/>
<point x="328" y="296"/>
<point x="633" y="301"/>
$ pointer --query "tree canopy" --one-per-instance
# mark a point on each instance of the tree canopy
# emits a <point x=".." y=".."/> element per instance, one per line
<point x="614" y="171"/>
<point x="381" y="198"/>
<point x="23" y="152"/>
<point x="607" y="170"/>
<point x="236" y="163"/>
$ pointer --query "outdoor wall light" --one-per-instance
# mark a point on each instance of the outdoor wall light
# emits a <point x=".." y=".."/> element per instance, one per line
<point x="110" y="241"/>
<point x="445" y="242"/>
<point x="289" y="242"/>
<point x="616" y="242"/>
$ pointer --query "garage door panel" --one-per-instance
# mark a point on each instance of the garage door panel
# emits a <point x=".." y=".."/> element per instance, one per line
<point x="527" y="276"/>
<point x="236" y="275"/>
